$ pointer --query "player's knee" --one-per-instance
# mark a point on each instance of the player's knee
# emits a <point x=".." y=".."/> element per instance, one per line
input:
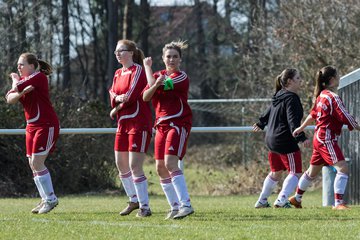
<point x="342" y="167"/>
<point x="31" y="165"/>
<point x="171" y="167"/>
<point x="298" y="175"/>
<point x="276" y="175"/>
<point x="161" y="169"/>
<point x="37" y="166"/>
<point x="136" y="169"/>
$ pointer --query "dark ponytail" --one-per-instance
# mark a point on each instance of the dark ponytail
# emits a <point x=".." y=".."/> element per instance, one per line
<point x="278" y="85"/>
<point x="138" y="56"/>
<point x="45" y="67"/>
<point x="282" y="80"/>
<point x="323" y="78"/>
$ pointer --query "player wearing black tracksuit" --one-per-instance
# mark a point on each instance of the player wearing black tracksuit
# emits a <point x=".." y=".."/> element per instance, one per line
<point x="282" y="117"/>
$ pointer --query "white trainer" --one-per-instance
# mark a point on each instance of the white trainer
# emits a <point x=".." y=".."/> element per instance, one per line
<point x="184" y="212"/>
<point x="171" y="214"/>
<point x="262" y="205"/>
<point x="48" y="206"/>
<point x="36" y="209"/>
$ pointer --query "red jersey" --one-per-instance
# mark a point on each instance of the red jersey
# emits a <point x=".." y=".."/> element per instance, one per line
<point x="172" y="105"/>
<point x="330" y="114"/>
<point x="135" y="114"/>
<point x="37" y="106"/>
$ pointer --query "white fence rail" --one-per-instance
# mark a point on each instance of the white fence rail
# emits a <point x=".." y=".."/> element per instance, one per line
<point x="113" y="130"/>
<point x="238" y="100"/>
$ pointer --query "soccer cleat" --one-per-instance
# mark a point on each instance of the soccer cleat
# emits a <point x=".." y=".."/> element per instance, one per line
<point x="143" y="212"/>
<point x="171" y="214"/>
<point x="341" y="207"/>
<point x="262" y="205"/>
<point x="184" y="212"/>
<point x="286" y="205"/>
<point x="294" y="202"/>
<point x="130" y="207"/>
<point x="36" y="209"/>
<point x="48" y="206"/>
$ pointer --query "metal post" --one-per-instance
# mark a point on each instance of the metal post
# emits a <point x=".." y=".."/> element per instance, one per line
<point x="328" y="177"/>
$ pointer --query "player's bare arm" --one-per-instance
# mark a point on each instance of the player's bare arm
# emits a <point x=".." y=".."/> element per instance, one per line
<point x="149" y="93"/>
<point x="14" y="96"/>
<point x="148" y="71"/>
<point x="115" y="110"/>
<point x="306" y="123"/>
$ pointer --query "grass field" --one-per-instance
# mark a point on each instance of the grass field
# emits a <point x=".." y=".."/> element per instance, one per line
<point x="225" y="217"/>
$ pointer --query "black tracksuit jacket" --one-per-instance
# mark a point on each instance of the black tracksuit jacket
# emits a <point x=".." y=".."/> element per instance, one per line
<point x="282" y="117"/>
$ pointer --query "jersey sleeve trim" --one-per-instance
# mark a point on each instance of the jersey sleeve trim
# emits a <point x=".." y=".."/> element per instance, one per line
<point x="138" y="70"/>
<point x="22" y="83"/>
<point x="180" y="78"/>
<point x="343" y="110"/>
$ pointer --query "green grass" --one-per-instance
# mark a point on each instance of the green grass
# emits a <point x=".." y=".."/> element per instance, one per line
<point x="202" y="180"/>
<point x="221" y="217"/>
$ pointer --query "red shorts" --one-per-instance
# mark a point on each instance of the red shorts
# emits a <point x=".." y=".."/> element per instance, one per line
<point x="326" y="153"/>
<point x="41" y="140"/>
<point x="289" y="161"/>
<point x="138" y="142"/>
<point x="170" y="140"/>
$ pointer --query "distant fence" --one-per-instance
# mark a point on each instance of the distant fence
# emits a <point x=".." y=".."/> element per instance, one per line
<point x="113" y="130"/>
<point x="349" y="91"/>
<point x="227" y="129"/>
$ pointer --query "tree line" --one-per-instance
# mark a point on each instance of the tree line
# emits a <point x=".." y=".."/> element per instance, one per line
<point x="262" y="37"/>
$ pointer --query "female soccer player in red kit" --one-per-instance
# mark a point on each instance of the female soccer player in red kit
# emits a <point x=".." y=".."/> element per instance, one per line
<point x="31" y="89"/>
<point x="134" y="126"/>
<point x="168" y="90"/>
<point x="281" y="118"/>
<point x="330" y="115"/>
